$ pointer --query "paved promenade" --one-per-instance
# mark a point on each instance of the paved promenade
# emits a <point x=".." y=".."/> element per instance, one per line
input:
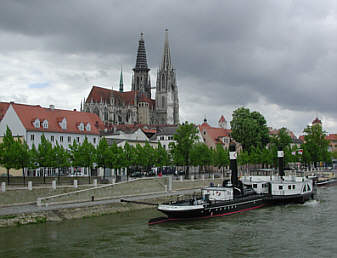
<point x="32" y="208"/>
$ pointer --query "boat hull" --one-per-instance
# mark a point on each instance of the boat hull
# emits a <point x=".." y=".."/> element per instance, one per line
<point x="214" y="209"/>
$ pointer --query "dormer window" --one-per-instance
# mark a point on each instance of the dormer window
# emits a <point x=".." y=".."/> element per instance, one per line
<point x="36" y="123"/>
<point x="45" y="124"/>
<point x="63" y="124"/>
<point x="88" y="127"/>
<point x="81" y="127"/>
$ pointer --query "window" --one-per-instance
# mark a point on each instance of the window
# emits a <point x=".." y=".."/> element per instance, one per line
<point x="289" y="187"/>
<point x="280" y="187"/>
<point x="305" y="189"/>
<point x="162" y="138"/>
<point x="88" y="127"/>
<point x="61" y="138"/>
<point x="63" y="124"/>
<point x="170" y="137"/>
<point x="81" y="127"/>
<point x="294" y="186"/>
<point x="78" y="139"/>
<point x="37" y="123"/>
<point x="52" y="138"/>
<point x="45" y="124"/>
<point x="32" y="137"/>
<point x="94" y="139"/>
<point x="254" y="185"/>
<point x="164" y="146"/>
<point x="69" y="138"/>
<point x="308" y="188"/>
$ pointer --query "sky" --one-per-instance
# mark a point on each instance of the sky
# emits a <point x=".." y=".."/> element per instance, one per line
<point x="275" y="57"/>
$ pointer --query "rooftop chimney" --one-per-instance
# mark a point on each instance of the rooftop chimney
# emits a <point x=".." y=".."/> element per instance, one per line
<point x="51" y="107"/>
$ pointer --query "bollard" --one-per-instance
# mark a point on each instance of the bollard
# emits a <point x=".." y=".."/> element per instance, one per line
<point x="192" y="177"/>
<point x="203" y="177"/>
<point x="114" y="181"/>
<point x="53" y="184"/>
<point x="3" y="187"/>
<point x="165" y="188"/>
<point x="95" y="182"/>
<point x="38" y="202"/>
<point x="170" y="184"/>
<point x="30" y="185"/>
<point x="181" y="178"/>
<point x="75" y="183"/>
<point x="212" y="176"/>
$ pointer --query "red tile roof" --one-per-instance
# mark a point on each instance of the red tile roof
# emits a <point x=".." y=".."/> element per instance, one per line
<point x="216" y="134"/>
<point x="98" y="94"/>
<point x="222" y="119"/>
<point x="331" y="137"/>
<point x="28" y="115"/>
<point x="3" y="109"/>
<point x="316" y="121"/>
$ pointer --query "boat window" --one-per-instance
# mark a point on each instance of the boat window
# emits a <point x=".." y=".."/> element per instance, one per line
<point x="280" y="187"/>
<point x="289" y="187"/>
<point x="294" y="186"/>
<point x="305" y="189"/>
<point x="254" y="185"/>
<point x="308" y="187"/>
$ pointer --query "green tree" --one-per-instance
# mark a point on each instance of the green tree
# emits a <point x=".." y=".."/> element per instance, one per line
<point x="282" y="139"/>
<point x="316" y="144"/>
<point x="130" y="156"/>
<point x="185" y="137"/>
<point x="102" y="155"/>
<point x="249" y="128"/>
<point x="23" y="159"/>
<point x="162" y="157"/>
<point x="221" y="156"/>
<point x="62" y="158"/>
<point x="8" y="152"/>
<point x="200" y="155"/>
<point x="86" y="155"/>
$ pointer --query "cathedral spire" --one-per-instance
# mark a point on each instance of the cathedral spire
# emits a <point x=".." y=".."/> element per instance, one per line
<point x="166" y="61"/>
<point x="141" y="62"/>
<point x="121" y="81"/>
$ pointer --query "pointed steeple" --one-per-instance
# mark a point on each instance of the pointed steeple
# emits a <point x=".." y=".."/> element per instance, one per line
<point x="166" y="61"/>
<point x="141" y="62"/>
<point x="121" y="81"/>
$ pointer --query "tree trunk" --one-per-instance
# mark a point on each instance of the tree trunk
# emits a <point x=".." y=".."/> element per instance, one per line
<point x="7" y="176"/>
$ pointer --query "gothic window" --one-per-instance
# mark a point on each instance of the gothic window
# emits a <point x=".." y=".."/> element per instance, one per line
<point x="96" y="111"/>
<point x="163" y="103"/>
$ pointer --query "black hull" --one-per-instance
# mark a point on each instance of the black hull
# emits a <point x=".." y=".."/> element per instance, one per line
<point x="296" y="198"/>
<point x="215" y="209"/>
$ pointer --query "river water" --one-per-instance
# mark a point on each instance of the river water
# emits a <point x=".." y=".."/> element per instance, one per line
<point x="303" y="230"/>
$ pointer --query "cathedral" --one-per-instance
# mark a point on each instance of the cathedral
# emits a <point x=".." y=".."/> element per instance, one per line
<point x="137" y="106"/>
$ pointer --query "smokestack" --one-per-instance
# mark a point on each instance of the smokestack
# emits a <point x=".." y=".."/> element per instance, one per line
<point x="280" y="156"/>
<point x="233" y="164"/>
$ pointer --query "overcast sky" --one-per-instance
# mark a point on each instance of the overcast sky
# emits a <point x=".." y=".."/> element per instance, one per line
<point x="275" y="57"/>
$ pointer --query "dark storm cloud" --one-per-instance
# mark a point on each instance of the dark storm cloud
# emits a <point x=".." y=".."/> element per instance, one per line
<point x="231" y="52"/>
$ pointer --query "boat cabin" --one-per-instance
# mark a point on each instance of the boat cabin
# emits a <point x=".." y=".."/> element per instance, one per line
<point x="217" y="193"/>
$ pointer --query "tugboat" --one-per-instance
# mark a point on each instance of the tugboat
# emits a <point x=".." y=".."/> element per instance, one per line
<point x="236" y="196"/>
<point x="282" y="189"/>
<point x="232" y="197"/>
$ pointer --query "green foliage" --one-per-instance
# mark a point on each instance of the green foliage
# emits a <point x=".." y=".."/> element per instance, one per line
<point x="185" y="137"/>
<point x="282" y="139"/>
<point x="220" y="156"/>
<point x="162" y="157"/>
<point x="315" y="147"/>
<point x="44" y="153"/>
<point x="249" y="128"/>
<point x="200" y="155"/>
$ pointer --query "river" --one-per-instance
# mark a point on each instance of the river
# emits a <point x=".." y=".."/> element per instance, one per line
<point x="303" y="230"/>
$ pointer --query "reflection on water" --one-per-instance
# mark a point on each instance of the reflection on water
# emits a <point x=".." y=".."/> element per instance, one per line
<point x="307" y="230"/>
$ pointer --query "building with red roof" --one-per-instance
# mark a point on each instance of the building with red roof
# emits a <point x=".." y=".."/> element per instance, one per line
<point x="137" y="106"/>
<point x="215" y="135"/>
<point x="57" y="125"/>
<point x="332" y="138"/>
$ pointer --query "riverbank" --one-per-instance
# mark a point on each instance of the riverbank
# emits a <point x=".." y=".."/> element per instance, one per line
<point x="92" y="202"/>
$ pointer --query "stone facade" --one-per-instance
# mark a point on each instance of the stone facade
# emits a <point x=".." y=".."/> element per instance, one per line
<point x="137" y="106"/>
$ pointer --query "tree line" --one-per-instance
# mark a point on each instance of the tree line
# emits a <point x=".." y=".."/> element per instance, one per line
<point x="248" y="128"/>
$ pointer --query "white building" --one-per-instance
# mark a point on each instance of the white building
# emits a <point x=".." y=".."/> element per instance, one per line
<point x="62" y="126"/>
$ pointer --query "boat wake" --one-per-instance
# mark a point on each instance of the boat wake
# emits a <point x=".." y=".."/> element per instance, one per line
<point x="312" y="203"/>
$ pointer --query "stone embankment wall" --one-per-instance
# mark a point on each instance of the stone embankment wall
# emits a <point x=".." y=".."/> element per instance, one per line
<point x="135" y="187"/>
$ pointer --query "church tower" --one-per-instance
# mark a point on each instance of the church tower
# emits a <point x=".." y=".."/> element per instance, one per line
<point x="141" y="79"/>
<point x="167" y="104"/>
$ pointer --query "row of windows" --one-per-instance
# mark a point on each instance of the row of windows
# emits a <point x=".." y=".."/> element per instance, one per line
<point x="280" y="187"/>
<point x="162" y="138"/>
<point x="62" y="139"/>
